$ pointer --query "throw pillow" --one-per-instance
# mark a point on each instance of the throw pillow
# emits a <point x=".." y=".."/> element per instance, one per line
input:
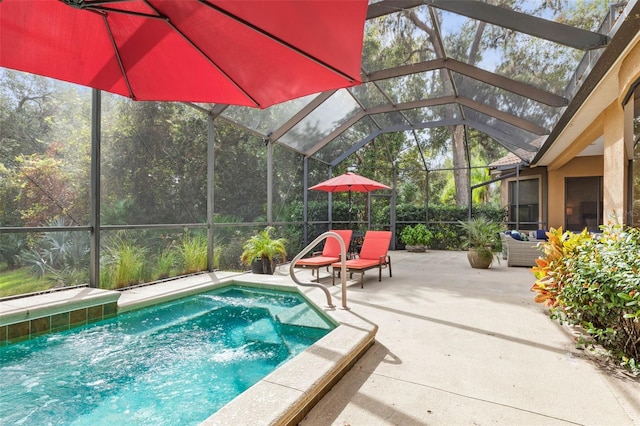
<point x="541" y="234"/>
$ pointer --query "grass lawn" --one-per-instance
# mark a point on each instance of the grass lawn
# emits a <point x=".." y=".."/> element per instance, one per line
<point x="20" y="281"/>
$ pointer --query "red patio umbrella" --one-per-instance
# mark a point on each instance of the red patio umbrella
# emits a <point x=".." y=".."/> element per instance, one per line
<point x="349" y="182"/>
<point x="250" y="52"/>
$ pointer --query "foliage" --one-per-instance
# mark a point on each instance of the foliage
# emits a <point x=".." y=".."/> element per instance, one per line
<point x="154" y="163"/>
<point x="45" y="192"/>
<point x="416" y="235"/>
<point x="264" y="247"/>
<point x="193" y="254"/>
<point x="123" y="264"/>
<point x="166" y="264"/>
<point x="229" y="255"/>
<point x="11" y="245"/>
<point x="552" y="268"/>
<point x="483" y="235"/>
<point x="443" y="221"/>
<point x="61" y="257"/>
<point x="594" y="282"/>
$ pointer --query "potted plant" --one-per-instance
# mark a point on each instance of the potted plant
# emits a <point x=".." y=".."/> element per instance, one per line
<point x="260" y="251"/>
<point x="483" y="241"/>
<point x="416" y="238"/>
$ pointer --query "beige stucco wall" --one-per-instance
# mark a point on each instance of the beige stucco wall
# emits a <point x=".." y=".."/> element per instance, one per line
<point x="578" y="167"/>
<point x="615" y="164"/>
<point x="629" y="71"/>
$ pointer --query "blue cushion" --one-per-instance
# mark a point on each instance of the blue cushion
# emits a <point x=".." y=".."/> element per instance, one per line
<point x="507" y="232"/>
<point x="516" y="236"/>
<point x="541" y="234"/>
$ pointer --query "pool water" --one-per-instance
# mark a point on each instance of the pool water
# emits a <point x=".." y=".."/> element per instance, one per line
<point x="171" y="364"/>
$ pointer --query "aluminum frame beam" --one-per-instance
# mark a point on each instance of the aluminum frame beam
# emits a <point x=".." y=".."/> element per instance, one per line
<point x="498" y="136"/>
<point x="387" y="7"/>
<point x="470" y="103"/>
<point x="493" y="79"/>
<point x="527" y="24"/>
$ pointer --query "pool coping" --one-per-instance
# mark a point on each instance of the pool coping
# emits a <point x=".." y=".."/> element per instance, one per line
<point x="281" y="398"/>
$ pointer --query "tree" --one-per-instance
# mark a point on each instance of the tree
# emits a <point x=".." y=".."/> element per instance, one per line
<point x="410" y="37"/>
<point x="154" y="157"/>
<point x="44" y="192"/>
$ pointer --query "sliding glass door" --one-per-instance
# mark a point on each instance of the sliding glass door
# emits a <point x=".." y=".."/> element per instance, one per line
<point x="583" y="203"/>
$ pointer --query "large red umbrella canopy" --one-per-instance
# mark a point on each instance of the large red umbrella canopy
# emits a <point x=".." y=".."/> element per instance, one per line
<point x="249" y="52"/>
<point x="349" y="182"/>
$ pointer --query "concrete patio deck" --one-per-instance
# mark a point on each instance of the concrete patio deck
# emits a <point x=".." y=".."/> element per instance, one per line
<point x="458" y="346"/>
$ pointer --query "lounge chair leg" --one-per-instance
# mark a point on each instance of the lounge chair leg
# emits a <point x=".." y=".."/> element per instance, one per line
<point x="389" y="264"/>
<point x="362" y="280"/>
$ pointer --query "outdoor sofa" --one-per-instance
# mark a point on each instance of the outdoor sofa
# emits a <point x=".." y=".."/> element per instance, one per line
<point x="520" y="252"/>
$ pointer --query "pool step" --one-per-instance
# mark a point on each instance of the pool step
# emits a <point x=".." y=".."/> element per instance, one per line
<point x="263" y="330"/>
<point x="303" y="315"/>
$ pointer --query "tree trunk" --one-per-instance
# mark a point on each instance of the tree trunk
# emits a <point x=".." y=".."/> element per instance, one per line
<point x="460" y="174"/>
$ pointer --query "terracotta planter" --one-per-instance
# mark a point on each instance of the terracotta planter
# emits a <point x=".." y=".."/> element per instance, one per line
<point x="478" y="260"/>
<point x="416" y="248"/>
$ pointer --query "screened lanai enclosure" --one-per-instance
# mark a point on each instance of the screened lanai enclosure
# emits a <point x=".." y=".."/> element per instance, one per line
<point x="100" y="190"/>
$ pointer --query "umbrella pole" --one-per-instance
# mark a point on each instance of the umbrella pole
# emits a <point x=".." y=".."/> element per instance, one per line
<point x="349" y="209"/>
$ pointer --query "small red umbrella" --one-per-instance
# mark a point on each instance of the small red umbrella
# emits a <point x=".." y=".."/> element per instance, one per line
<point x="250" y="52"/>
<point x="349" y="182"/>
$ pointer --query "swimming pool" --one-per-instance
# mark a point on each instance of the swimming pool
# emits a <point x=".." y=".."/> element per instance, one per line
<point x="174" y="363"/>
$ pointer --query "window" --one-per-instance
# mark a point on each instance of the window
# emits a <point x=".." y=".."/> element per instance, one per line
<point x="524" y="203"/>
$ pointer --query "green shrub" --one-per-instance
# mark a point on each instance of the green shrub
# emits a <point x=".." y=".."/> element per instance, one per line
<point x="443" y="222"/>
<point x="416" y="235"/>
<point x="595" y="283"/>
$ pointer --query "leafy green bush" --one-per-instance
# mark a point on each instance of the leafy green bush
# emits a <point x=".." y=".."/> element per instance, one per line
<point x="594" y="282"/>
<point x="416" y="235"/>
<point x="443" y="221"/>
